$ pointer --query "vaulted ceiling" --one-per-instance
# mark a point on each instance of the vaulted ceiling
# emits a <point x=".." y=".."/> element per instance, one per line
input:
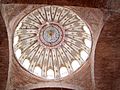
<point x="107" y="55"/>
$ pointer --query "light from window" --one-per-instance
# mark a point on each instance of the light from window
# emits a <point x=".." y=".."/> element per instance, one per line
<point x="18" y="53"/>
<point x="63" y="71"/>
<point x="26" y="64"/>
<point x="88" y="43"/>
<point x="37" y="71"/>
<point x="75" y="65"/>
<point x="84" y="55"/>
<point x="16" y="40"/>
<point x="50" y="74"/>
<point x="86" y="29"/>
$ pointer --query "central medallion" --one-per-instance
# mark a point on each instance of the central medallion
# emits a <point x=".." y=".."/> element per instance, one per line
<point x="51" y="35"/>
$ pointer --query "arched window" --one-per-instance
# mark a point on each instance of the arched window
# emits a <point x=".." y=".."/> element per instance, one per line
<point x="75" y="65"/>
<point x="63" y="71"/>
<point x="26" y="63"/>
<point x="83" y="55"/>
<point x="37" y="71"/>
<point x="86" y="29"/>
<point x="87" y="43"/>
<point x="15" y="40"/>
<point x="50" y="74"/>
<point x="18" y="53"/>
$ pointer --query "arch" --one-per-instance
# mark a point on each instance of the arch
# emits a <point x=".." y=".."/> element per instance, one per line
<point x="86" y="29"/>
<point x="88" y="43"/>
<point x="75" y="65"/>
<point x="83" y="55"/>
<point x="63" y="71"/>
<point x="18" y="53"/>
<point x="37" y="71"/>
<point x="15" y="40"/>
<point x="26" y="64"/>
<point x="50" y="74"/>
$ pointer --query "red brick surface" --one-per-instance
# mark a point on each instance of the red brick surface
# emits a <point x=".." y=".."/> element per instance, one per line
<point x="4" y="55"/>
<point x="107" y="57"/>
<point x="82" y="3"/>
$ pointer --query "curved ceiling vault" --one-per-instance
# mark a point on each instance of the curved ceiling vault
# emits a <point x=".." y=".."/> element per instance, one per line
<point x="51" y="42"/>
<point x="53" y="45"/>
<point x="104" y="72"/>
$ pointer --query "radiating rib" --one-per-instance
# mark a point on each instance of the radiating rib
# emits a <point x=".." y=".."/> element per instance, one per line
<point x="27" y="37"/>
<point x="73" y="33"/>
<point x="24" y="42"/>
<point x="57" y="65"/>
<point x="31" y="37"/>
<point x="58" y="12"/>
<point x="71" y="20"/>
<point x="31" y="22"/>
<point x="60" y="58"/>
<point x="67" y="54"/>
<point x="76" y="48"/>
<point x="64" y="57"/>
<point x="46" y="57"/>
<point x="53" y="12"/>
<point x="70" y="56"/>
<point x="64" y="13"/>
<point x="41" y="63"/>
<point x="26" y="25"/>
<point x="48" y="14"/>
<point x="26" y="53"/>
<point x="43" y="13"/>
<point x="41" y="58"/>
<point x="67" y="62"/>
<point x="31" y="58"/>
<point x="54" y="56"/>
<point x="38" y="16"/>
<point x="45" y="62"/>
<point x="36" y="58"/>
<point x="70" y="53"/>
<point x="74" y="25"/>
<point x="67" y="17"/>
<point x="33" y="17"/>
<point x="50" y="62"/>
<point x="74" y="40"/>
<point x="55" y="61"/>
<point x="75" y="53"/>
<point x="39" y="54"/>
<point x="73" y="29"/>
<point x="41" y="16"/>
<point x="25" y="31"/>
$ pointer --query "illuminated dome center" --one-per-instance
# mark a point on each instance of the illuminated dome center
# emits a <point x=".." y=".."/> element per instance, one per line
<point x="51" y="35"/>
<point x="52" y="42"/>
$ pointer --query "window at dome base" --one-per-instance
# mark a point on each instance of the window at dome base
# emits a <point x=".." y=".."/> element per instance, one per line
<point x="52" y="42"/>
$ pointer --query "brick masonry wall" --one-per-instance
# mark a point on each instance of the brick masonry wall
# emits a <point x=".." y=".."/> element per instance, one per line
<point x="107" y="58"/>
<point x="81" y="79"/>
<point x="107" y="64"/>
<point x="4" y="54"/>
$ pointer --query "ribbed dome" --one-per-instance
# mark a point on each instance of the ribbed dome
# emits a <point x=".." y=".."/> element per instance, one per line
<point x="52" y="42"/>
